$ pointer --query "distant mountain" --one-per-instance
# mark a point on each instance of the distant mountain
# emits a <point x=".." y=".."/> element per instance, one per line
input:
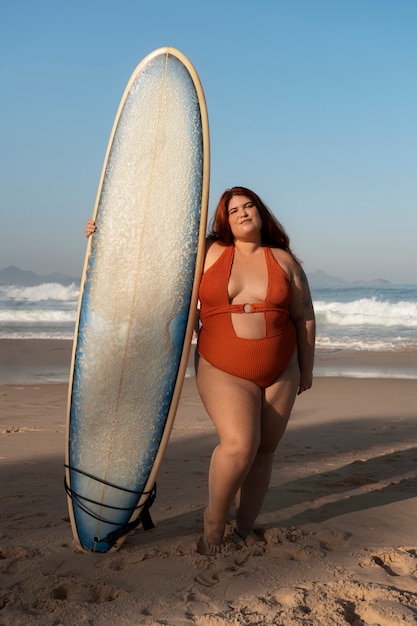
<point x="319" y="278"/>
<point x="25" y="278"/>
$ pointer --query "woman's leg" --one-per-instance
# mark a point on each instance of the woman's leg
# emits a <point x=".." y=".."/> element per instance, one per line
<point x="234" y="405"/>
<point x="276" y="409"/>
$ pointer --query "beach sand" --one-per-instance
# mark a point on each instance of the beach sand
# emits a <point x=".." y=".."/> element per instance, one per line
<point x="340" y="518"/>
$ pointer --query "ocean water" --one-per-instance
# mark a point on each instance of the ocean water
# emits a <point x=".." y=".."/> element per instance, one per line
<point x="358" y="318"/>
<point x="351" y="317"/>
<point x="366" y="317"/>
<point x="46" y="311"/>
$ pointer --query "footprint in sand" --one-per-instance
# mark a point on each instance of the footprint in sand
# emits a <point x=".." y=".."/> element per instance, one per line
<point x="346" y="603"/>
<point x="401" y="562"/>
<point x="381" y="605"/>
<point x="290" y="552"/>
<point x="12" y="553"/>
<point x="208" y="579"/>
<point x="11" y="557"/>
<point x="292" y="544"/>
<point x="80" y="591"/>
<point x="197" y="604"/>
<point x="333" y="541"/>
<point x="118" y="564"/>
<point x="196" y="596"/>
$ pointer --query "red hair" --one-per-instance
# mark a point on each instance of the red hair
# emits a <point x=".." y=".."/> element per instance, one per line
<point x="273" y="233"/>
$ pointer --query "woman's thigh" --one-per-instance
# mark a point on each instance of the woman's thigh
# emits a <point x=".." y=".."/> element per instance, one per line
<point x="233" y="404"/>
<point x="278" y="403"/>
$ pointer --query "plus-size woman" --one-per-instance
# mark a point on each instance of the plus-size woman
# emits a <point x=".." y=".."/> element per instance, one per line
<point x="256" y="352"/>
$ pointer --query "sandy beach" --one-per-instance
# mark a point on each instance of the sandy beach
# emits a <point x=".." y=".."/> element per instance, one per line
<point x="339" y="523"/>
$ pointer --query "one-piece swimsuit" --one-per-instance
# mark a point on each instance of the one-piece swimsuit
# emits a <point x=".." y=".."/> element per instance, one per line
<point x="259" y="360"/>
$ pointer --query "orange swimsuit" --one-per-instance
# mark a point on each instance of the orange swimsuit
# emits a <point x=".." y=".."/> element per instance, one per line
<point x="259" y="360"/>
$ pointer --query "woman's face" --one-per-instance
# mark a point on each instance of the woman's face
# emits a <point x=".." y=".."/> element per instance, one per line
<point x="244" y="219"/>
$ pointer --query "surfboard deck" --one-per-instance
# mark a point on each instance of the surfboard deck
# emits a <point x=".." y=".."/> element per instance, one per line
<point x="138" y="299"/>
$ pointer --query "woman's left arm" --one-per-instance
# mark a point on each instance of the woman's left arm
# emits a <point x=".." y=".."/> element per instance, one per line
<point x="302" y="315"/>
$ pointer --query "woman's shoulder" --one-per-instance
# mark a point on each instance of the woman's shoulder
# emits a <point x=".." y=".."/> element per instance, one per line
<point x="287" y="262"/>
<point x="214" y="250"/>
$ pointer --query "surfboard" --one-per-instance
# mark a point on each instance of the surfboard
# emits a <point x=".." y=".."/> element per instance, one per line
<point x="138" y="299"/>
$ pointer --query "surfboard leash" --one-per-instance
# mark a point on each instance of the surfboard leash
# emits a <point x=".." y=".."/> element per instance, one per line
<point x="111" y="538"/>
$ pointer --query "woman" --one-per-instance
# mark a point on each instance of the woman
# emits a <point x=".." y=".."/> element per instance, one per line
<point x="256" y="351"/>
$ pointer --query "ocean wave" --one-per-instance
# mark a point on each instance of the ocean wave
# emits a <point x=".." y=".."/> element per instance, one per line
<point x="37" y="334"/>
<point x="35" y="316"/>
<point x="367" y="312"/>
<point x="39" y="293"/>
<point x="371" y="344"/>
<point x="350" y="318"/>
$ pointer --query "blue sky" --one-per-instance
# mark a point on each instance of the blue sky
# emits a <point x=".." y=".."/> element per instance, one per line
<point x="312" y="103"/>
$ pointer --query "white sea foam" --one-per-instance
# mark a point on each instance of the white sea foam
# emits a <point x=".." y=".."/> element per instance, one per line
<point x="374" y="318"/>
<point x="39" y="293"/>
<point x="36" y="316"/>
<point x="43" y="311"/>
<point x="367" y="312"/>
<point x="354" y="342"/>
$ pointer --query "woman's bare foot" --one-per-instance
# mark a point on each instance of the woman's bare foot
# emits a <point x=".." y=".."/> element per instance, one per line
<point x="213" y="535"/>
<point x="249" y="537"/>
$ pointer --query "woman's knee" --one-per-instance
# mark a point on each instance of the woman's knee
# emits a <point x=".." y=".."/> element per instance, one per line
<point x="241" y="449"/>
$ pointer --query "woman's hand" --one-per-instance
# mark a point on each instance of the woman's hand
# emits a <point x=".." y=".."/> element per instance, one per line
<point x="306" y="382"/>
<point x="90" y="228"/>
